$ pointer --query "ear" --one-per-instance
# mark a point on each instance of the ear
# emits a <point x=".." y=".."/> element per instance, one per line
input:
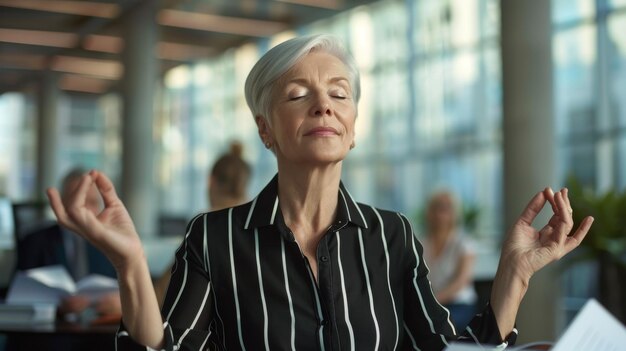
<point x="264" y="129"/>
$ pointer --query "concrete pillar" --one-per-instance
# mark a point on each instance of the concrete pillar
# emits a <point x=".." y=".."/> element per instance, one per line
<point x="529" y="142"/>
<point x="138" y="88"/>
<point x="47" y="135"/>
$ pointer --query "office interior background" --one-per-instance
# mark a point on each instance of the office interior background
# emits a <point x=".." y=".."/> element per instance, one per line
<point x="431" y="114"/>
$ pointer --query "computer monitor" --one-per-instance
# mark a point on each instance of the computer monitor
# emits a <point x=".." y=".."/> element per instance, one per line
<point x="7" y="226"/>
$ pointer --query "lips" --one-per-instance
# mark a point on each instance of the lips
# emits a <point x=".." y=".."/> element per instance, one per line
<point x="322" y="131"/>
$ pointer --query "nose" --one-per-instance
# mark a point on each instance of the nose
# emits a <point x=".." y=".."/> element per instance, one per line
<point x="322" y="107"/>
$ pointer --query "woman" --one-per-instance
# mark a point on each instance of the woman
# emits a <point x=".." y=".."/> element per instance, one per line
<point x="303" y="266"/>
<point x="450" y="258"/>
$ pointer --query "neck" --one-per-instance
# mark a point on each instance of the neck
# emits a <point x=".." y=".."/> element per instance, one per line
<point x="308" y="197"/>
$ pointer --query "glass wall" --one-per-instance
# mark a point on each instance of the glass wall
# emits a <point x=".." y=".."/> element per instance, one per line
<point x="589" y="54"/>
<point x="429" y="116"/>
<point x="590" y="78"/>
<point x="89" y="137"/>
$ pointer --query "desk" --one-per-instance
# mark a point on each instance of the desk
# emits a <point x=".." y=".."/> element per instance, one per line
<point x="59" y="336"/>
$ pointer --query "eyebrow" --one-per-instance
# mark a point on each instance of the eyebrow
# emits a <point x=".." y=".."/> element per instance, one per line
<point x="331" y="80"/>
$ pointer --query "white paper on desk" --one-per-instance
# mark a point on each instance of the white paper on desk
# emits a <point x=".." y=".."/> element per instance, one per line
<point x="593" y="329"/>
<point x="459" y="346"/>
<point x="51" y="284"/>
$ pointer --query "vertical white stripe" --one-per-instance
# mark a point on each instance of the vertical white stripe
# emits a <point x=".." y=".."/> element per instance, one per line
<point x="403" y="227"/>
<point x="291" y="313"/>
<point x="417" y="290"/>
<point x="471" y="333"/>
<point x="234" y="276"/>
<point x="369" y="289"/>
<point x="205" y="245"/>
<point x="215" y="304"/>
<point x="413" y="342"/>
<point x="393" y="301"/>
<point x="182" y="286"/>
<point x="345" y="203"/>
<point x="182" y="337"/>
<point x="204" y="300"/>
<point x="205" y="341"/>
<point x="318" y="304"/>
<point x="430" y="286"/>
<point x="274" y="210"/>
<point x="258" y="268"/>
<point x="343" y="292"/>
<point x="358" y="209"/>
<point x="250" y="213"/>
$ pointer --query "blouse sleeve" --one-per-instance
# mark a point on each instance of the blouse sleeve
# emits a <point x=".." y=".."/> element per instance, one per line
<point x="427" y="323"/>
<point x="187" y="309"/>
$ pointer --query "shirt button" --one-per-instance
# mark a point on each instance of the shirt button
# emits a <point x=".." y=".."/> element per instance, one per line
<point x="324" y="322"/>
<point x="324" y="258"/>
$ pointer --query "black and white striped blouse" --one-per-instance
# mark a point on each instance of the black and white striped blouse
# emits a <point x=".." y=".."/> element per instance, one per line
<point x="240" y="282"/>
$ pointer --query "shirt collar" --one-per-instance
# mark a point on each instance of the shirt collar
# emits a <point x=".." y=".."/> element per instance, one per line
<point x="265" y="210"/>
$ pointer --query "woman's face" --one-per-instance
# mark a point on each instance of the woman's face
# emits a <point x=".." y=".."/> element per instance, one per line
<point x="312" y="112"/>
<point x="441" y="213"/>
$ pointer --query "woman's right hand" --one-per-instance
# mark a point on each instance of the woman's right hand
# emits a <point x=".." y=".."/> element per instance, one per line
<point x="111" y="230"/>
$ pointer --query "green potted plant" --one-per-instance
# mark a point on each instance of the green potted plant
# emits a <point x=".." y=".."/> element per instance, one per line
<point x="605" y="243"/>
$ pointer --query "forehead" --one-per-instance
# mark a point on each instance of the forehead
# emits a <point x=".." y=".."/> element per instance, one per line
<point x="317" y="64"/>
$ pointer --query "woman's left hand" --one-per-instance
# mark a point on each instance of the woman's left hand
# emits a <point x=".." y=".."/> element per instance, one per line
<point x="527" y="249"/>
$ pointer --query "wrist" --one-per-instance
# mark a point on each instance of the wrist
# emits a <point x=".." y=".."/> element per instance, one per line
<point x="130" y="266"/>
<point x="510" y="283"/>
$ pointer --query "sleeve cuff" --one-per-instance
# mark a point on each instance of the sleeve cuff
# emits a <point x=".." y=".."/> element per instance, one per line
<point x="484" y="330"/>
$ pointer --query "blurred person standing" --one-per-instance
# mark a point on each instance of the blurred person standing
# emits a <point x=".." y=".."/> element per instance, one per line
<point x="227" y="186"/>
<point x="228" y="182"/>
<point x="450" y="256"/>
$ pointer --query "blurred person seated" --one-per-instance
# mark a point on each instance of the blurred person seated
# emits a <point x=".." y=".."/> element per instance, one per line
<point x="226" y="187"/>
<point x="53" y="244"/>
<point x="450" y="257"/>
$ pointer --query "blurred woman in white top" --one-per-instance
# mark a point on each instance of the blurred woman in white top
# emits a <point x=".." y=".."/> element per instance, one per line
<point x="450" y="256"/>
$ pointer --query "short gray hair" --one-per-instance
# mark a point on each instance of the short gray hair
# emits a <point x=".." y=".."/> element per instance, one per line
<point x="281" y="58"/>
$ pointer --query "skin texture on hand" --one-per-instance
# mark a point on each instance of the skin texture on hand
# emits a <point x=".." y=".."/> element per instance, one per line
<point x="112" y="231"/>
<point x="526" y="250"/>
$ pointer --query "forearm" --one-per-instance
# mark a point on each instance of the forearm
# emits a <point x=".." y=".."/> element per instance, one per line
<point x="507" y="293"/>
<point x="140" y="309"/>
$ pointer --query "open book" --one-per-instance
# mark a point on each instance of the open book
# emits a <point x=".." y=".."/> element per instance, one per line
<point x="51" y="284"/>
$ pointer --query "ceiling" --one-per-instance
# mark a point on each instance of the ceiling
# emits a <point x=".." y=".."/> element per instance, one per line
<point x="83" y="40"/>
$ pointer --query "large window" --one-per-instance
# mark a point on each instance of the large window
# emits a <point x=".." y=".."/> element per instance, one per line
<point x="429" y="116"/>
<point x="88" y="135"/>
<point x="590" y="79"/>
<point x="17" y="147"/>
